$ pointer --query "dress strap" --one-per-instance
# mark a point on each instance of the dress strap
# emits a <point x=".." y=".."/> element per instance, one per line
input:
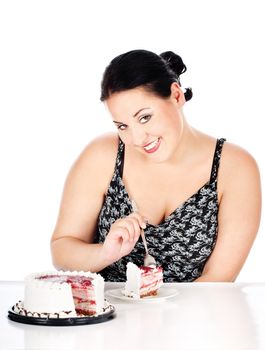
<point x="120" y="158"/>
<point x="216" y="159"/>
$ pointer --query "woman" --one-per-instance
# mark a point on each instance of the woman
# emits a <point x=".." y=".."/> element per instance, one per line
<point x="198" y="198"/>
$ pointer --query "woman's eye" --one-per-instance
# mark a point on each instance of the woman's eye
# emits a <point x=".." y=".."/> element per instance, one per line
<point x="145" y="118"/>
<point x="122" y="127"/>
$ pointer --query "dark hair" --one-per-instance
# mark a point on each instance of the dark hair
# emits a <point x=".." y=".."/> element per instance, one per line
<point x="144" y="68"/>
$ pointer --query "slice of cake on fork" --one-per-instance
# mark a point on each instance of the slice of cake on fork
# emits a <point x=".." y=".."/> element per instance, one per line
<point x="142" y="281"/>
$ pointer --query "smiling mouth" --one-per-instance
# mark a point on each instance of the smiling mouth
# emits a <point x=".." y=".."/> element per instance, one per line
<point x="152" y="146"/>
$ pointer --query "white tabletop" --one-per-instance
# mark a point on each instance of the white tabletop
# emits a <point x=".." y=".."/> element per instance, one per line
<point x="227" y="316"/>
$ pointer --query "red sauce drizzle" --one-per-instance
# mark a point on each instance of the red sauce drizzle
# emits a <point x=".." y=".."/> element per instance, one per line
<point x="76" y="281"/>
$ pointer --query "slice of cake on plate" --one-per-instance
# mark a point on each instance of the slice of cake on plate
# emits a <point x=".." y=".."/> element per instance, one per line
<point x="142" y="281"/>
<point x="63" y="294"/>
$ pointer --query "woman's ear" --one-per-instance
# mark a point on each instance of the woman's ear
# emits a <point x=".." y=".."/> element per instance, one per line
<point x="177" y="94"/>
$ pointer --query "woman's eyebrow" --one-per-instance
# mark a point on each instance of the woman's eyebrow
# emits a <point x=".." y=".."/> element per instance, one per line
<point x="114" y="121"/>
<point x="140" y="110"/>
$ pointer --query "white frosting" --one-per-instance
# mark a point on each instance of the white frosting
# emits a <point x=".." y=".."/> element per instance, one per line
<point x="19" y="309"/>
<point x="44" y="296"/>
<point x="133" y="281"/>
<point x="98" y="283"/>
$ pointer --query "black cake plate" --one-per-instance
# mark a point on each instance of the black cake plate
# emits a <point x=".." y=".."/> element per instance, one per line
<point x="107" y="314"/>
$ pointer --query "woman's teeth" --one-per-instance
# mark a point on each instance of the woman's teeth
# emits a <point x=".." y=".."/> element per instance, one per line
<point x="151" y="145"/>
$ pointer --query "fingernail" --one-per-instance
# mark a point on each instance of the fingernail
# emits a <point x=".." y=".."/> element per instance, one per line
<point x="143" y="225"/>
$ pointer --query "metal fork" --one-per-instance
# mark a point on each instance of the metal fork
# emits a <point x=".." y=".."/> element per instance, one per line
<point x="148" y="259"/>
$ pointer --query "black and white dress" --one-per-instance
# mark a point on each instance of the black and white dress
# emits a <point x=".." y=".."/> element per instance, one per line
<point x="181" y="243"/>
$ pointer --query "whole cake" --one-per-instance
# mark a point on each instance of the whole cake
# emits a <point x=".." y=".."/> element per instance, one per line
<point x="143" y="281"/>
<point x="63" y="294"/>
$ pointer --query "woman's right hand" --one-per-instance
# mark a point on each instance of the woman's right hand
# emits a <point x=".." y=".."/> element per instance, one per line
<point x="122" y="237"/>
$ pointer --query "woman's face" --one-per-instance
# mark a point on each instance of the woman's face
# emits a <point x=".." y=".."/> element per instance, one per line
<point x="149" y="124"/>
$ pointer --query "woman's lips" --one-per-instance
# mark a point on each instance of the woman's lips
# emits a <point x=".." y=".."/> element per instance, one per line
<point x="152" y="146"/>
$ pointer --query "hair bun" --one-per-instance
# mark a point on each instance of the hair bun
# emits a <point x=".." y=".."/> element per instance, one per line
<point x="188" y="93"/>
<point x="174" y="62"/>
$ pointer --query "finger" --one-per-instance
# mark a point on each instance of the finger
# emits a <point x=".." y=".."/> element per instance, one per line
<point x="126" y="248"/>
<point x="140" y="218"/>
<point x="119" y="226"/>
<point x="137" y="228"/>
<point x="130" y="226"/>
<point x="121" y="233"/>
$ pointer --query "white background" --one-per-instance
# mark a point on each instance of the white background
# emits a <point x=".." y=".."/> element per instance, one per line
<point x="53" y="54"/>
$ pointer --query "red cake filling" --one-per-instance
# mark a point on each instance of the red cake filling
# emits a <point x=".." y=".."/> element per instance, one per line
<point x="82" y="290"/>
<point x="151" y="278"/>
<point x="150" y="269"/>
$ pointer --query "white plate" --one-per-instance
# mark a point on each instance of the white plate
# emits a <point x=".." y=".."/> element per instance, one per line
<point x="163" y="294"/>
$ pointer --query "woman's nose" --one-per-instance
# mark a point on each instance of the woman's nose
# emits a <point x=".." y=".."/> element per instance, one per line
<point x="138" y="136"/>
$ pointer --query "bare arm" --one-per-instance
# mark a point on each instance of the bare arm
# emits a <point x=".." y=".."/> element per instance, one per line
<point x="72" y="244"/>
<point x="239" y="215"/>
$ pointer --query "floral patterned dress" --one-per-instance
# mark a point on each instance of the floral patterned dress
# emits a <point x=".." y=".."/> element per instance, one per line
<point x="181" y="243"/>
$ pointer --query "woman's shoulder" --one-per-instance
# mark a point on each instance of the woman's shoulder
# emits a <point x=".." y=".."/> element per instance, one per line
<point x="101" y="151"/>
<point x="103" y="146"/>
<point x="98" y="157"/>
<point x="234" y="155"/>
<point x="237" y="164"/>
